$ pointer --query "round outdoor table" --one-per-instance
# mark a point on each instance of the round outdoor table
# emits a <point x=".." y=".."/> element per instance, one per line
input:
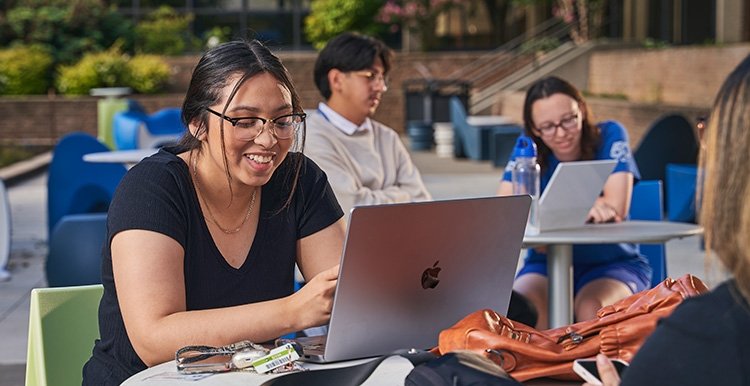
<point x="560" y="253"/>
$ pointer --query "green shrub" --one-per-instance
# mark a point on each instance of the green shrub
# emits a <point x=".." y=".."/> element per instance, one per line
<point x="165" y="32"/>
<point x="25" y="70"/>
<point x="147" y="74"/>
<point x="329" y="18"/>
<point x="101" y="69"/>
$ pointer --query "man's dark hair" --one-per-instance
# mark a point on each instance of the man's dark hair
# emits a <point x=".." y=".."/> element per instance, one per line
<point x="349" y="51"/>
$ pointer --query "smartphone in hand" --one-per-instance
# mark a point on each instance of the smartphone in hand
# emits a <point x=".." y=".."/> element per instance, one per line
<point x="586" y="369"/>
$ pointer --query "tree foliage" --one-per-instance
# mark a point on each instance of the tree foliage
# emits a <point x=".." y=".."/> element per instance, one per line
<point x="68" y="28"/>
<point x="164" y="32"/>
<point x="25" y="70"/>
<point x="329" y="18"/>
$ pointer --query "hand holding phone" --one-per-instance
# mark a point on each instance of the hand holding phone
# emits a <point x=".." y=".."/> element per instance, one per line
<point x="587" y="369"/>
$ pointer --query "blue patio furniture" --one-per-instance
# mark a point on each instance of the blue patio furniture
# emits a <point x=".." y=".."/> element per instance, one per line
<point x="481" y="142"/>
<point x="680" y="189"/>
<point x="646" y="204"/>
<point x="125" y="127"/>
<point x="163" y="127"/>
<point x="134" y="105"/>
<point x="670" y="140"/>
<point x="75" y="250"/>
<point x="75" y="186"/>
<point x="138" y="130"/>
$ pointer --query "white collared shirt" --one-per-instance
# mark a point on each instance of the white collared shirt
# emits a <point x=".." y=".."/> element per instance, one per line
<point x="341" y="123"/>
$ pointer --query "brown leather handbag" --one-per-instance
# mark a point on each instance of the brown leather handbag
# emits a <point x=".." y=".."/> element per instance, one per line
<point x="525" y="353"/>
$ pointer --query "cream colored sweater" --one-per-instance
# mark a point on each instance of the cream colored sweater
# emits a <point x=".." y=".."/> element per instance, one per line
<point x="365" y="168"/>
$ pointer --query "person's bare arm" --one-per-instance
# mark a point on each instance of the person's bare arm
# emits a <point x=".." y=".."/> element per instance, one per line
<point x="148" y="270"/>
<point x="613" y="205"/>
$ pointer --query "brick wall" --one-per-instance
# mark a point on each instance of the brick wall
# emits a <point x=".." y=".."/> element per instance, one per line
<point x="683" y="76"/>
<point x="654" y="82"/>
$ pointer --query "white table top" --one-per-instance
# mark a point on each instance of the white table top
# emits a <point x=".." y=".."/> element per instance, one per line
<point x="635" y="231"/>
<point x="120" y="156"/>
<point x="392" y="371"/>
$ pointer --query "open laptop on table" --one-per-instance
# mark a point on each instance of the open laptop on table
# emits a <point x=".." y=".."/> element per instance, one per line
<point x="571" y="192"/>
<point x="409" y="271"/>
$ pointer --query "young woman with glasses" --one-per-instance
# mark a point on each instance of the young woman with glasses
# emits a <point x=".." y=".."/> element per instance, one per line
<point x="557" y="118"/>
<point x="203" y="237"/>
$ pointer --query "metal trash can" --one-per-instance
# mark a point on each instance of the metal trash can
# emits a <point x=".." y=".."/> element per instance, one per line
<point x="428" y="101"/>
<point x="420" y="135"/>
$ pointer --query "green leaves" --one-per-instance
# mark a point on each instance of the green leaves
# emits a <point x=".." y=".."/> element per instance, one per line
<point x="329" y="18"/>
<point x="25" y="70"/>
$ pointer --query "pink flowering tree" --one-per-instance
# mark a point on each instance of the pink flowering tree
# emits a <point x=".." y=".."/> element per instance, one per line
<point x="584" y="16"/>
<point x="415" y="18"/>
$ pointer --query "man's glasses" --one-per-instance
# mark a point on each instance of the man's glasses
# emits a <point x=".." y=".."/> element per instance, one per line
<point x="372" y="76"/>
<point x="249" y="128"/>
<point x="568" y="123"/>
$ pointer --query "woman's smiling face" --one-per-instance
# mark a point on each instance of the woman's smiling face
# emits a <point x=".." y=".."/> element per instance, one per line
<point x="250" y="162"/>
<point x="558" y="121"/>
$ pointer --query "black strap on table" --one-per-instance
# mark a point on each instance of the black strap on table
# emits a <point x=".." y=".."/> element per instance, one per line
<point x="346" y="376"/>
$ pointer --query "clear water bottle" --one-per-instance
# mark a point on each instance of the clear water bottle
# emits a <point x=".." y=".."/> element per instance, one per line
<point x="525" y="176"/>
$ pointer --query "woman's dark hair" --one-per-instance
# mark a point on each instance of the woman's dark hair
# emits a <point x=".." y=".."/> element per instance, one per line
<point x="215" y="69"/>
<point x="545" y="88"/>
<point x="349" y="51"/>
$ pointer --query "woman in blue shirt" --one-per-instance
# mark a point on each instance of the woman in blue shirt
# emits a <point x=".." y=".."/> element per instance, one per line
<point x="558" y="119"/>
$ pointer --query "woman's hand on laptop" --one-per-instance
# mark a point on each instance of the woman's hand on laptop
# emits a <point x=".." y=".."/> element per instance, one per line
<point x="314" y="301"/>
<point x="601" y="212"/>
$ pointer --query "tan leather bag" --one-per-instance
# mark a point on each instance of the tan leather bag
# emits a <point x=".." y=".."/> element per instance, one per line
<point x="525" y="353"/>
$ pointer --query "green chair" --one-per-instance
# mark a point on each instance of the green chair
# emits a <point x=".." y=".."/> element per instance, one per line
<point x="63" y="324"/>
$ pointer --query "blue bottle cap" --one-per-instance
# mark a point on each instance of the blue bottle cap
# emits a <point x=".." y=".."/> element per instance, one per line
<point x="525" y="147"/>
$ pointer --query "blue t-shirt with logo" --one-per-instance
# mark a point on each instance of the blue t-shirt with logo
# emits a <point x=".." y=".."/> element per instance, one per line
<point x="614" y="145"/>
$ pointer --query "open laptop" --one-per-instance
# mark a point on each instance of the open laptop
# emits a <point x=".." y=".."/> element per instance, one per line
<point x="409" y="271"/>
<point x="571" y="192"/>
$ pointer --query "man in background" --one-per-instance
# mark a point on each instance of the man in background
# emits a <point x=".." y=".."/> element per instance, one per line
<point x="365" y="160"/>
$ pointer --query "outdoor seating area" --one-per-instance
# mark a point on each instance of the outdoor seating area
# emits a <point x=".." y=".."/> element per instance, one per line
<point x="476" y="178"/>
<point x="374" y="192"/>
<point x="80" y="187"/>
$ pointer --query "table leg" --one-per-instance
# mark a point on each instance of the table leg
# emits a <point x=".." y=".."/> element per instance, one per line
<point x="560" y="274"/>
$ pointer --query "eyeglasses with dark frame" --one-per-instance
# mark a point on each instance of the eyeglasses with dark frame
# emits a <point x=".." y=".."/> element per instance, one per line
<point x="249" y="128"/>
<point x="567" y="123"/>
<point x="373" y="77"/>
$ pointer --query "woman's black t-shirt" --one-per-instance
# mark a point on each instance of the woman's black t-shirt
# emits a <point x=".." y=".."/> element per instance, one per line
<point x="158" y="195"/>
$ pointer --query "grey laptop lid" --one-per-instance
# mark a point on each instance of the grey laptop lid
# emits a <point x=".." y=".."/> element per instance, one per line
<point x="571" y="192"/>
<point x="409" y="271"/>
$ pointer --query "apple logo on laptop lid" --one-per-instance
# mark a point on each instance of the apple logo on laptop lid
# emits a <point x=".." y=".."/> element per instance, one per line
<point x="430" y="276"/>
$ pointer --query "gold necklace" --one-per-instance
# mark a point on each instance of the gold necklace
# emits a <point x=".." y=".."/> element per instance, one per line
<point x="208" y="208"/>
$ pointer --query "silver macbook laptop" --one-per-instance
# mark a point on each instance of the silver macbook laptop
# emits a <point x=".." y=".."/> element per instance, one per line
<point x="571" y="192"/>
<point x="409" y="271"/>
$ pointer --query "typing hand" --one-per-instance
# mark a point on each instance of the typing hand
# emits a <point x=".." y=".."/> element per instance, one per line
<point x="602" y="213"/>
<point x="314" y="300"/>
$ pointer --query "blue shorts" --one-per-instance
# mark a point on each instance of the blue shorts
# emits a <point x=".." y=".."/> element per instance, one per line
<point x="634" y="273"/>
